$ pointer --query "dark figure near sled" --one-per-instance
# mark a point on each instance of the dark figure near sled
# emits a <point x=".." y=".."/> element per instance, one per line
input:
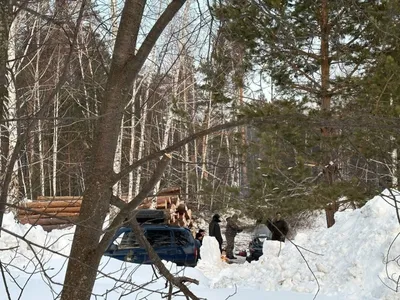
<point x="199" y="242"/>
<point x="278" y="227"/>
<point x="232" y="229"/>
<point x="215" y="231"/>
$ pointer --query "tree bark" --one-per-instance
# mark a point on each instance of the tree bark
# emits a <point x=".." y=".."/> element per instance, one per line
<point x="55" y="128"/>
<point x="5" y="24"/>
<point x="125" y="66"/>
<point x="325" y="64"/>
<point x="142" y="123"/>
<point x="11" y="107"/>
<point x="132" y="143"/>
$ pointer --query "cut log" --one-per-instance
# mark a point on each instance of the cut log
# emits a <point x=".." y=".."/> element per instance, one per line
<point x="163" y="199"/>
<point x="58" y="198"/>
<point x="38" y="204"/>
<point x="62" y="214"/>
<point x="172" y="219"/>
<point x="188" y="214"/>
<point x="182" y="222"/>
<point x="169" y="191"/>
<point x="161" y="206"/>
<point x="41" y="220"/>
<point x="48" y="221"/>
<point x="39" y="210"/>
<point x="181" y="208"/>
<point x="172" y="208"/>
<point x="162" y="203"/>
<point x="34" y="218"/>
<point x="190" y="224"/>
<point x="175" y="200"/>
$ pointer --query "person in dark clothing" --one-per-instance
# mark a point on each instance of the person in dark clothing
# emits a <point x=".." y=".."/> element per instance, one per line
<point x="202" y="231"/>
<point x="215" y="231"/>
<point x="232" y="229"/>
<point x="198" y="242"/>
<point x="279" y="228"/>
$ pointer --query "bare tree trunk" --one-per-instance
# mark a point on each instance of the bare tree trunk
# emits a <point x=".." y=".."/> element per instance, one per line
<point x="83" y="74"/>
<point x="126" y="64"/>
<point x="325" y="64"/>
<point x="186" y="149"/>
<point x="176" y="91"/>
<point x="36" y="104"/>
<point x="13" y="189"/>
<point x="168" y="126"/>
<point x="143" y="119"/>
<point x="185" y="105"/>
<point x="5" y="24"/>
<point x="132" y="144"/>
<point x="244" y="181"/>
<point x="118" y="160"/>
<point x="55" y="128"/>
<point x="215" y="183"/>
<point x="96" y="100"/>
<point x="231" y="164"/>
<point x="195" y="154"/>
<point x="41" y="156"/>
<point x="204" y="149"/>
<point x="118" y="152"/>
<point x="395" y="161"/>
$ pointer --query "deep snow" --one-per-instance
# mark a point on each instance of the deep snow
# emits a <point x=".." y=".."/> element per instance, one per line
<point x="357" y="258"/>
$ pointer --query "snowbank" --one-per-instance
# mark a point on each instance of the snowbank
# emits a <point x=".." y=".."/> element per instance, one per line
<point x="209" y="252"/>
<point x="21" y="252"/>
<point x="356" y="257"/>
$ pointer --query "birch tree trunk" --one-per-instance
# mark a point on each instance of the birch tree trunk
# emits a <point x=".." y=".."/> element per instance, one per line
<point x="32" y="167"/>
<point x="395" y="161"/>
<point x="231" y="163"/>
<point x="204" y="148"/>
<point x="197" y="168"/>
<point x="132" y="144"/>
<point x="133" y="187"/>
<point x="186" y="149"/>
<point x="244" y="177"/>
<point x="41" y="155"/>
<point x="55" y="127"/>
<point x="13" y="189"/>
<point x="168" y="125"/>
<point x="118" y="159"/>
<point x="142" y="121"/>
<point x="395" y="180"/>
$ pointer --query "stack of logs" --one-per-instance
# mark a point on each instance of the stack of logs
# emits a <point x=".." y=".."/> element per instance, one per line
<point x="169" y="201"/>
<point x="178" y="212"/>
<point x="51" y="212"/>
<point x="62" y="211"/>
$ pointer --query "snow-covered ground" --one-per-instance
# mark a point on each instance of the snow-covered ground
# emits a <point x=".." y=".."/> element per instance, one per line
<point x="357" y="258"/>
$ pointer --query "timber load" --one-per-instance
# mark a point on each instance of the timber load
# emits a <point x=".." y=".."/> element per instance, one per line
<point x="168" y="200"/>
<point x="50" y="212"/>
<point x="63" y="211"/>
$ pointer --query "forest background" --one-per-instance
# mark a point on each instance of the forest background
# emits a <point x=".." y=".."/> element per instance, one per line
<point x="258" y="105"/>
